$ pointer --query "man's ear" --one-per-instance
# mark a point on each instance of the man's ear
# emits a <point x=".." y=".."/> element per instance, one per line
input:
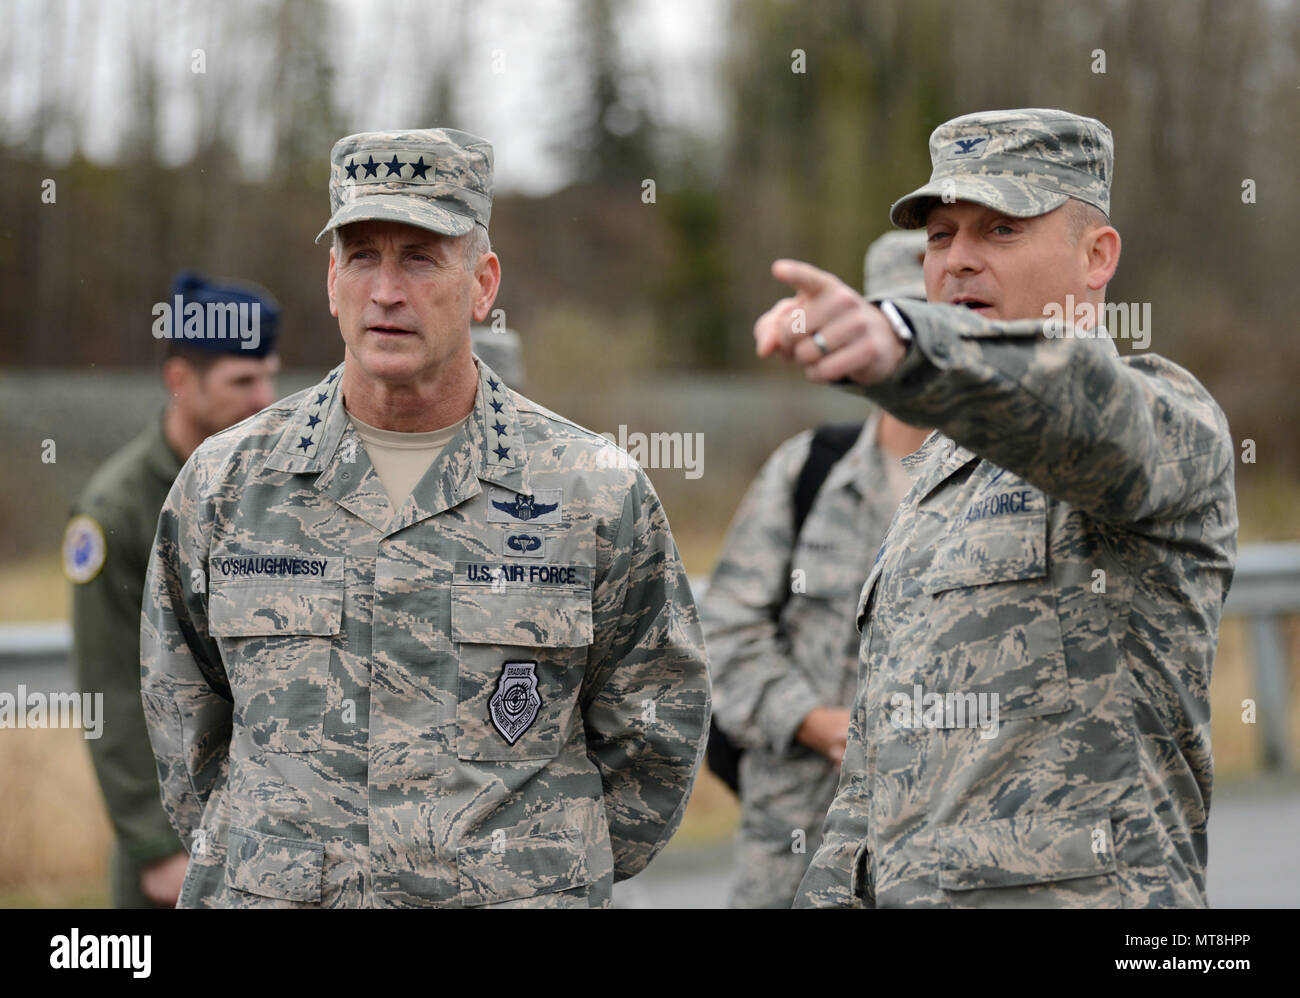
<point x="178" y="377"/>
<point x="487" y="274"/>
<point x="1102" y="246"/>
<point x="331" y="277"/>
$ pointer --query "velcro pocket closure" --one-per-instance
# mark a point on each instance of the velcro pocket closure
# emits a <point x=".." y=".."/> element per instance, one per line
<point x="518" y="609"/>
<point x="1000" y="537"/>
<point x="275" y="867"/>
<point x="522" y="867"/>
<point x="1027" y="849"/>
<point x="521" y="662"/>
<point x="993" y="629"/>
<point x="289" y="595"/>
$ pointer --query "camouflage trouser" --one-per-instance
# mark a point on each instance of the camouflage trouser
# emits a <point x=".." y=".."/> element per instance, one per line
<point x="768" y="872"/>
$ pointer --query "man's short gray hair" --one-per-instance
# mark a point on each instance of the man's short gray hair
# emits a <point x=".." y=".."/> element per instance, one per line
<point x="474" y="244"/>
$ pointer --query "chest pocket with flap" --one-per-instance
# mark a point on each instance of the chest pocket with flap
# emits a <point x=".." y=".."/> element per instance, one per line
<point x="992" y="623"/>
<point x="522" y="652"/>
<point x="276" y="621"/>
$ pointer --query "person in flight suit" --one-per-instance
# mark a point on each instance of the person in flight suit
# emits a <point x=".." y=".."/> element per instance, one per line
<point x="409" y="638"/>
<point x="212" y="382"/>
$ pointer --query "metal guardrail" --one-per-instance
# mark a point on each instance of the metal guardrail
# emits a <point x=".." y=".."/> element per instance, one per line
<point x="1265" y="588"/>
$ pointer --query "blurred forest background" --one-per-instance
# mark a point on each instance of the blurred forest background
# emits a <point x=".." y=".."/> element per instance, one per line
<point x="158" y="167"/>
<point x="769" y="128"/>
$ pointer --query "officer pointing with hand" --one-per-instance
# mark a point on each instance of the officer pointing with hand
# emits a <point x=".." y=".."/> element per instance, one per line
<point x="1031" y="725"/>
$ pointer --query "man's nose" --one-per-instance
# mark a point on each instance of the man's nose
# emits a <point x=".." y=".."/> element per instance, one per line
<point x="388" y="288"/>
<point x="964" y="255"/>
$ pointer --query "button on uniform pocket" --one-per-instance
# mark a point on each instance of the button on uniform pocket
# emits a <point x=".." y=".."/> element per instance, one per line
<point x="522" y="651"/>
<point x="277" y="634"/>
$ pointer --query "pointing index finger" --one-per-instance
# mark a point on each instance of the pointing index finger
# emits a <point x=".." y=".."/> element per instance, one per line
<point x="803" y="277"/>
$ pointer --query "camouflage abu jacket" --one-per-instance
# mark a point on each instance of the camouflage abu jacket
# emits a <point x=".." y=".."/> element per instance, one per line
<point x="499" y="697"/>
<point x="1032" y="718"/>
<point x="776" y="658"/>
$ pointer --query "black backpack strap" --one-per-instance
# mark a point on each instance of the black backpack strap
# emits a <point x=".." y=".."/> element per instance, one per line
<point x="830" y="442"/>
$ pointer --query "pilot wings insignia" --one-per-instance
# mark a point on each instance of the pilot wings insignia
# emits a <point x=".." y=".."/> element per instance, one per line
<point x="542" y="506"/>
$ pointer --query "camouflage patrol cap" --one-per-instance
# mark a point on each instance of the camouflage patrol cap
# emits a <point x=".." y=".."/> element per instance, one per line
<point x="435" y="178"/>
<point x="1023" y="163"/>
<point x="893" y="267"/>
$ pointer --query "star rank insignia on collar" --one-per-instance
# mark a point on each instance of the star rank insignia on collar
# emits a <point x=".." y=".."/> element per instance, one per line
<point x="501" y="451"/>
<point x="316" y="409"/>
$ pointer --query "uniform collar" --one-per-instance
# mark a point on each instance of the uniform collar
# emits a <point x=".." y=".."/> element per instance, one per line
<point x="320" y="438"/>
<point x="935" y="460"/>
<point x="161" y="459"/>
<point x="861" y="462"/>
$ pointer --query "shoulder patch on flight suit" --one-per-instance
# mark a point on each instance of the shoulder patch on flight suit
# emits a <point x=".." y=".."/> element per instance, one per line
<point x="540" y="507"/>
<point x="84" y="549"/>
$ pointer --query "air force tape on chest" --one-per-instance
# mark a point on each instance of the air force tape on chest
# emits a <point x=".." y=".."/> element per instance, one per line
<point x="502" y="575"/>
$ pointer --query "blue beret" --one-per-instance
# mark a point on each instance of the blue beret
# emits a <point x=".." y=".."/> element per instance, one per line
<point x="232" y="317"/>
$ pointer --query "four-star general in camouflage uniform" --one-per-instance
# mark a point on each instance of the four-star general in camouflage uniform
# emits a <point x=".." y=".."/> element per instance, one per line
<point x="776" y="654"/>
<point x="1067" y="546"/>
<point x="495" y="695"/>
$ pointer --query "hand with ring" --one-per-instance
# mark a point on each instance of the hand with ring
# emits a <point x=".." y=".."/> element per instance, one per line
<point x="849" y="338"/>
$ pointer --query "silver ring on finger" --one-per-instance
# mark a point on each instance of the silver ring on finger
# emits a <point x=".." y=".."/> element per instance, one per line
<point x="820" y="341"/>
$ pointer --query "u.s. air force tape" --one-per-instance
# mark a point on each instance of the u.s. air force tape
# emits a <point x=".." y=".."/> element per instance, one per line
<point x="522" y="576"/>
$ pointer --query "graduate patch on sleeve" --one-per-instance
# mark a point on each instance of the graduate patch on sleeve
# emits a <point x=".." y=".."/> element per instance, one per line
<point x="84" y="549"/>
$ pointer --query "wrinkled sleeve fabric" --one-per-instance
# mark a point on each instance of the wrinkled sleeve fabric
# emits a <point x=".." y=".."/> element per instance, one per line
<point x="645" y="698"/>
<point x="187" y="702"/>
<point x="1124" y="440"/>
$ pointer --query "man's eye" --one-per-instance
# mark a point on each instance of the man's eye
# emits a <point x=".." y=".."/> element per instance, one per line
<point x="934" y="237"/>
<point x="1004" y="230"/>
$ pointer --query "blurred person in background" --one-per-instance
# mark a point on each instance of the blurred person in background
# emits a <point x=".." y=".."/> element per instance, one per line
<point x="779" y="616"/>
<point x="503" y="351"/>
<point x="212" y="382"/>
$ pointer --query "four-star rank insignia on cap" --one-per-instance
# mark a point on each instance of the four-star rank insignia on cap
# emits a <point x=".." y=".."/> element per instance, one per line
<point x="84" y="549"/>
